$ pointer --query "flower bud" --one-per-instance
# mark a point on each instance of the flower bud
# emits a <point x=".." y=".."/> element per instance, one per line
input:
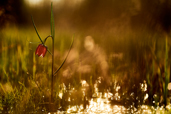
<point x="41" y="50"/>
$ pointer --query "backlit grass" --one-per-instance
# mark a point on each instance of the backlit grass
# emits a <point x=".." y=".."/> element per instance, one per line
<point x="136" y="70"/>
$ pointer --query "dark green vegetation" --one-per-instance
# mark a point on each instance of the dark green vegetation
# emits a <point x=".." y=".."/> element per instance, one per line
<point x="133" y="64"/>
<point x="129" y="60"/>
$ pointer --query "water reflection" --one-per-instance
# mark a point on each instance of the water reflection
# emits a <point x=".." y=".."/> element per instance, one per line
<point x="101" y="103"/>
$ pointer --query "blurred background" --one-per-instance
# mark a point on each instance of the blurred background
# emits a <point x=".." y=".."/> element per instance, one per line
<point x="88" y="15"/>
<point x="121" y="44"/>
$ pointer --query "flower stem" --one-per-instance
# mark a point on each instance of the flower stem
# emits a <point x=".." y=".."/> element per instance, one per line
<point x="53" y="36"/>
<point x="52" y="69"/>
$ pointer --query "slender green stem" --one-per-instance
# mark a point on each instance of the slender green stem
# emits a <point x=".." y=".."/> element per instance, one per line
<point x="52" y="53"/>
<point x="47" y="38"/>
<point x="45" y="41"/>
<point x="52" y="69"/>
<point x="53" y="36"/>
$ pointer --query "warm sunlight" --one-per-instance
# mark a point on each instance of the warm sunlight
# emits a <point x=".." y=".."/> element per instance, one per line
<point x="33" y="2"/>
<point x="38" y="2"/>
<point x="85" y="56"/>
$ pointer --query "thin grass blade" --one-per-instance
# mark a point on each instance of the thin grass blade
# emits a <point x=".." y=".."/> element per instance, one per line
<point x="36" y="30"/>
<point x="65" y="58"/>
<point x="52" y="22"/>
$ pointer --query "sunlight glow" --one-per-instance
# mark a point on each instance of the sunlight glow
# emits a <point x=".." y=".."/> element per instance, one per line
<point x="33" y="2"/>
<point x="169" y="86"/>
<point x="100" y="103"/>
<point x="39" y="2"/>
<point x="144" y="86"/>
<point x="146" y="97"/>
<point x="60" y="95"/>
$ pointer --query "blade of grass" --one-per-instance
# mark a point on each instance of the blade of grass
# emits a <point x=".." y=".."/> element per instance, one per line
<point x="36" y="30"/>
<point x="52" y="22"/>
<point x="65" y="58"/>
<point x="39" y="35"/>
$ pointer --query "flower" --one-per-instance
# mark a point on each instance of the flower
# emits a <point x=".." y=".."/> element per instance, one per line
<point x="41" y="50"/>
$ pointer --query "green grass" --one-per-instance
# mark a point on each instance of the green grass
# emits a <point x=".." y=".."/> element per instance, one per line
<point x="25" y="78"/>
<point x="21" y="69"/>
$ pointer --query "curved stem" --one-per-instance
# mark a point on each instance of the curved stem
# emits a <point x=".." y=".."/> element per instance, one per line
<point x="45" y="41"/>
<point x="47" y="38"/>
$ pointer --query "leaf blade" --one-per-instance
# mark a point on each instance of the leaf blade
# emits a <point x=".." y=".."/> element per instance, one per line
<point x="36" y="30"/>
<point x="52" y="22"/>
<point x="65" y="57"/>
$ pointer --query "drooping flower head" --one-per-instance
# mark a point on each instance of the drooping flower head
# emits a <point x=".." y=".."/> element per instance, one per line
<point x="41" y="50"/>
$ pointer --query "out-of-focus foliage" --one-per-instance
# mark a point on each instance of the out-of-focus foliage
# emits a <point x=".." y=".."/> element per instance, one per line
<point x="120" y="48"/>
<point x="13" y="12"/>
